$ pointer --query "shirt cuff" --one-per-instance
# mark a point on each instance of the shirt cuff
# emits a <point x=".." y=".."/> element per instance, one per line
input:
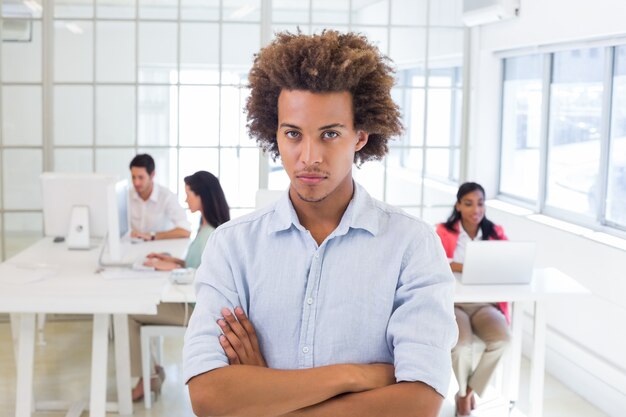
<point x="195" y="369"/>
<point x="428" y="364"/>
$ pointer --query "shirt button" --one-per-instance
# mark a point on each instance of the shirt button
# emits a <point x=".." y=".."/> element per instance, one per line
<point x="305" y="349"/>
<point x="309" y="301"/>
<point x="317" y="255"/>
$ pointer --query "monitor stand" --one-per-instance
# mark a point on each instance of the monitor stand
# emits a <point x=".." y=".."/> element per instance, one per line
<point x="78" y="233"/>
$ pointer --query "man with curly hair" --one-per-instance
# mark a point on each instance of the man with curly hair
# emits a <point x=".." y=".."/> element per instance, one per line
<point x="328" y="302"/>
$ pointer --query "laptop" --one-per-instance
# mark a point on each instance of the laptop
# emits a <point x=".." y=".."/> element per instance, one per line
<point x="498" y="262"/>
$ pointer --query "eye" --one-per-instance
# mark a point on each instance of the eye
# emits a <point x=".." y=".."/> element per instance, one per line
<point x="292" y="134"/>
<point x="331" y="134"/>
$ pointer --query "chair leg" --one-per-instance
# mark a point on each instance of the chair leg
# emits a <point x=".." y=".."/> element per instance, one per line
<point x="146" y="371"/>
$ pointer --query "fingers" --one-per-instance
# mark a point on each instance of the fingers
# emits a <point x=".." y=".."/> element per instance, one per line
<point x="234" y="341"/>
<point x="233" y="359"/>
<point x="254" y="341"/>
<point x="238" y="330"/>
<point x="245" y="323"/>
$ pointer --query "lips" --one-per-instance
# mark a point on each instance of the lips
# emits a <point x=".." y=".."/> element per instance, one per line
<point x="311" y="177"/>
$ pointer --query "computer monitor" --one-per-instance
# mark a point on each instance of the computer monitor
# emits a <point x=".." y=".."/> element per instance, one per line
<point x="79" y="207"/>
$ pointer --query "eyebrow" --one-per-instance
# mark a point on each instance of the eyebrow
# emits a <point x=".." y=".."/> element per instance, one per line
<point x="331" y="126"/>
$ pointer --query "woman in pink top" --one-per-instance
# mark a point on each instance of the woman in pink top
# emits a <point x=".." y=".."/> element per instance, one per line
<point x="488" y="321"/>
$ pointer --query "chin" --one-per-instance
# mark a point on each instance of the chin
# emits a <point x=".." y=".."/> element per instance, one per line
<point x="310" y="196"/>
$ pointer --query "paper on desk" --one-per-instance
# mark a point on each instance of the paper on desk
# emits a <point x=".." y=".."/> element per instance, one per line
<point x="131" y="274"/>
<point x="19" y="274"/>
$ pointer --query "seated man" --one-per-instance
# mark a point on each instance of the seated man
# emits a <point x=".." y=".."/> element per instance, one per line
<point x="154" y="210"/>
<point x="328" y="302"/>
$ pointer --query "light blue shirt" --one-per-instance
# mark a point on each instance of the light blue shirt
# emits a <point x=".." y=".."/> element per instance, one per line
<point x="378" y="289"/>
<point x="196" y="248"/>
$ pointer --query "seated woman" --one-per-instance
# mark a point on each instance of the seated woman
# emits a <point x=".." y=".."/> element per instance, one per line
<point x="488" y="321"/>
<point x="204" y="194"/>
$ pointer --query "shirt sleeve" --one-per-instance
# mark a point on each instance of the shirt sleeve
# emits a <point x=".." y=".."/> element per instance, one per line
<point x="215" y="289"/>
<point x="422" y="329"/>
<point x="176" y="213"/>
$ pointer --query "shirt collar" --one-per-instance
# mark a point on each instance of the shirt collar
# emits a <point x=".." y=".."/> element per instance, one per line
<point x="462" y="232"/>
<point x="361" y="213"/>
<point x="154" y="195"/>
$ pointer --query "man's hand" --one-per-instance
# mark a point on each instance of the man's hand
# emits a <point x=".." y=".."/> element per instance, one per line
<point x="239" y="341"/>
<point x="140" y="235"/>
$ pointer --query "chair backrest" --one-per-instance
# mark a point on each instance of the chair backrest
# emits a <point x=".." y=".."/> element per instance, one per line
<point x="265" y="197"/>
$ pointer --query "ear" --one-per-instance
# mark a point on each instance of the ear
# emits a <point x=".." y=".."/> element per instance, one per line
<point x="153" y="174"/>
<point x="362" y="138"/>
<point x="456" y="207"/>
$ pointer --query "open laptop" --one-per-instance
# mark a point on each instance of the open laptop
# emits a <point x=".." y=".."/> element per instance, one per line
<point x="498" y="262"/>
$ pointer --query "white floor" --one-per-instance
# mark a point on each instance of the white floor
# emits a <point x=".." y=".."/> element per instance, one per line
<point x="62" y="373"/>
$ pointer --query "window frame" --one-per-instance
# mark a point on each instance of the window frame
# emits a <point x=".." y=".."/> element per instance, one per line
<point x="598" y="221"/>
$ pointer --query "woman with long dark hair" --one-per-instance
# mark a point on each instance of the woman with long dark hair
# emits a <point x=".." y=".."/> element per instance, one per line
<point x="488" y="321"/>
<point x="204" y="194"/>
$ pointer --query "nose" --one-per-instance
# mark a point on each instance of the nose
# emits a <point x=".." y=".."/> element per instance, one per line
<point x="311" y="151"/>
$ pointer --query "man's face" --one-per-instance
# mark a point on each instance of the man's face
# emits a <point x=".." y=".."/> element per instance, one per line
<point x="142" y="181"/>
<point x="317" y="142"/>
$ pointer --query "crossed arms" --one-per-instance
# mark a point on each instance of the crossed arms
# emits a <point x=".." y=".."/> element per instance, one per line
<point x="249" y="388"/>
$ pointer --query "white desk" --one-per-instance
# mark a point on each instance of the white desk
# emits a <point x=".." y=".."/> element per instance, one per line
<point x="76" y="288"/>
<point x="547" y="283"/>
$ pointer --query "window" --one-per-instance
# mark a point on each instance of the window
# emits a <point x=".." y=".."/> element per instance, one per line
<point x="21" y="124"/>
<point x="568" y="157"/>
<point x="169" y="78"/>
<point x="616" y="187"/>
<point x="521" y="126"/>
<point x="575" y="119"/>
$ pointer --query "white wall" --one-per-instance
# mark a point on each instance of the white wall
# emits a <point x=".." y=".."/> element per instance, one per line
<point x="586" y="338"/>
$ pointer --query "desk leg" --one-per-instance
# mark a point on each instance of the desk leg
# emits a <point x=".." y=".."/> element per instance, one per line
<point x="122" y="364"/>
<point x="99" y="353"/>
<point x="537" y="369"/>
<point x="511" y="389"/>
<point x="25" y="362"/>
<point x="15" y="332"/>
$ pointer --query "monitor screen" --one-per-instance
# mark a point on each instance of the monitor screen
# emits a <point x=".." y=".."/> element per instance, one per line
<point x="121" y="196"/>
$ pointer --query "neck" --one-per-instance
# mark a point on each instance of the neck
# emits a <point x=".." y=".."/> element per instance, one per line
<point x="146" y="194"/>
<point x="204" y="222"/>
<point x="471" y="229"/>
<point x="322" y="217"/>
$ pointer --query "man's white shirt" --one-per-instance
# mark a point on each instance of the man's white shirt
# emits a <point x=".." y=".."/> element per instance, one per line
<point x="159" y="213"/>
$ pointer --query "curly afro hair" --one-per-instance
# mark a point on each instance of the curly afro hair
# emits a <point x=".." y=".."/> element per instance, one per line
<point x="326" y="62"/>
